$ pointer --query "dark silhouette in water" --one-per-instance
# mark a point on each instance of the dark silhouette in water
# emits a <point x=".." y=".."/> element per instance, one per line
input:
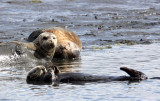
<point x="42" y="75"/>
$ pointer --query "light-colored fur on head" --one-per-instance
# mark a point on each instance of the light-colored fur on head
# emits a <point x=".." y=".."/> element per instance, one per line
<point x="46" y="44"/>
<point x="37" y="72"/>
<point x="47" y="41"/>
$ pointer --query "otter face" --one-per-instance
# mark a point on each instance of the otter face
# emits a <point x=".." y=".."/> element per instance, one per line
<point x="40" y="74"/>
<point x="36" y="73"/>
<point x="47" y="40"/>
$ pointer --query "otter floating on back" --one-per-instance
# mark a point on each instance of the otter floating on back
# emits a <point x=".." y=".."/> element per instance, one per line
<point x="40" y="74"/>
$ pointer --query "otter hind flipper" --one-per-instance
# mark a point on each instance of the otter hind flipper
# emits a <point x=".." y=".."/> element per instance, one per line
<point x="134" y="74"/>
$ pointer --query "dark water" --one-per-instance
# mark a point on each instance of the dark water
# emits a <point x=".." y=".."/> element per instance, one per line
<point x="114" y="34"/>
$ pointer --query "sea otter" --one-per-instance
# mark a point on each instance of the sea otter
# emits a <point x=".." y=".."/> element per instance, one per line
<point x="52" y="74"/>
<point x="43" y="47"/>
<point x="68" y="43"/>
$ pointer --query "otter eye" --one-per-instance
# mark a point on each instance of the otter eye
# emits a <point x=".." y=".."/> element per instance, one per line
<point x="54" y="38"/>
<point x="45" y="38"/>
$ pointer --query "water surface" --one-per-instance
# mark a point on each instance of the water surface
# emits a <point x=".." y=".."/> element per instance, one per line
<point x="114" y="34"/>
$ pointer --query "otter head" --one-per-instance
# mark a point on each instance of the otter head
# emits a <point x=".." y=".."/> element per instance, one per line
<point x="36" y="73"/>
<point x="40" y="74"/>
<point x="46" y="41"/>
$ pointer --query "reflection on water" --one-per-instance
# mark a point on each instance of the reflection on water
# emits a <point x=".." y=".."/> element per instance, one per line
<point x="93" y="61"/>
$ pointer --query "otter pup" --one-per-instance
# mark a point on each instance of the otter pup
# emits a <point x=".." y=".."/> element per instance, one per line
<point x="43" y="46"/>
<point x="52" y="74"/>
<point x="68" y="43"/>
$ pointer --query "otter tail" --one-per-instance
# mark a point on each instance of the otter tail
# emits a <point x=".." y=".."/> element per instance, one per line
<point x="134" y="74"/>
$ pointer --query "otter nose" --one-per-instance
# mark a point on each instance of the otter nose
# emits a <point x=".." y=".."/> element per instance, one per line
<point x="50" y="41"/>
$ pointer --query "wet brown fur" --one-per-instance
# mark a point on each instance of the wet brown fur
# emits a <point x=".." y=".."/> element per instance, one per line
<point x="68" y="43"/>
<point x="64" y="35"/>
<point x="53" y="74"/>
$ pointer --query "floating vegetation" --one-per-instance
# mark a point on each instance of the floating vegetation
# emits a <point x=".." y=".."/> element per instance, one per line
<point x="133" y="42"/>
<point x="127" y="42"/>
<point x="98" y="47"/>
<point x="36" y="1"/>
<point x="2" y="44"/>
